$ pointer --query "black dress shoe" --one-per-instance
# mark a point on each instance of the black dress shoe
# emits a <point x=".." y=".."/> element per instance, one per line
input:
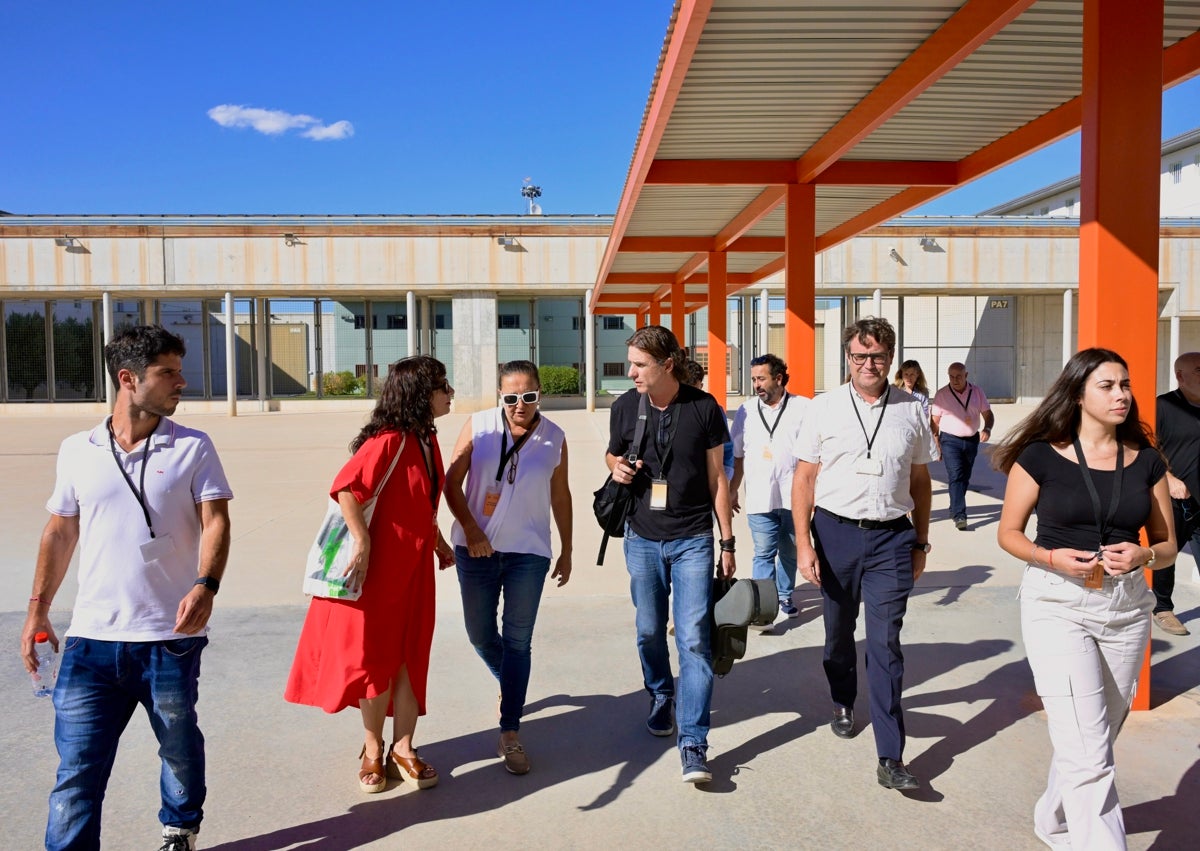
<point x="843" y="722"/>
<point x="893" y="775"/>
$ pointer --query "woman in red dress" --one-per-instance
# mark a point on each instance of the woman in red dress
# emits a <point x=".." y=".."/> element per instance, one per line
<point x="373" y="652"/>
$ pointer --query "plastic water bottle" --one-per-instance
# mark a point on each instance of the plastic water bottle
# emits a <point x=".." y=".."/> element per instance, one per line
<point x="43" y="677"/>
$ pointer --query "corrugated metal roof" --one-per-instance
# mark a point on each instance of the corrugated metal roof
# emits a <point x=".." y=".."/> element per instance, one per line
<point x="746" y="81"/>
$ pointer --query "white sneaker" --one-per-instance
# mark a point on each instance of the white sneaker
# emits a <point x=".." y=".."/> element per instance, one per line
<point x="178" y="839"/>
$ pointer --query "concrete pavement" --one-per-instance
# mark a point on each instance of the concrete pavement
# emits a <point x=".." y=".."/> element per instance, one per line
<point x="282" y="776"/>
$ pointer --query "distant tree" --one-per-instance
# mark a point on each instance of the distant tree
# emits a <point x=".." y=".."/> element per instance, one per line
<point x="26" y="339"/>
<point x="75" y="355"/>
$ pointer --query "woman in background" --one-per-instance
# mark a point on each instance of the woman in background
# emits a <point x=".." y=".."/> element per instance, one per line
<point x="1085" y="463"/>
<point x="911" y="378"/>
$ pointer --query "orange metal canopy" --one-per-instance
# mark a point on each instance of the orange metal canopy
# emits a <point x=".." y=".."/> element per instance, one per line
<point x="878" y="106"/>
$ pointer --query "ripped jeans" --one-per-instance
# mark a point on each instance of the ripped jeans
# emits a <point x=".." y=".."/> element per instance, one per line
<point x="100" y="684"/>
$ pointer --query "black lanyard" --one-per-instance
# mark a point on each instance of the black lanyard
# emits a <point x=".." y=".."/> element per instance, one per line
<point x="965" y="405"/>
<point x="870" y="440"/>
<point x="663" y="449"/>
<point x="1104" y="525"/>
<point x="506" y="453"/>
<point x="139" y="495"/>
<point x="771" y="428"/>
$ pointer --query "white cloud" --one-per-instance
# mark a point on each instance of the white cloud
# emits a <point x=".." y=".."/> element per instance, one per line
<point x="336" y="130"/>
<point x="273" y="122"/>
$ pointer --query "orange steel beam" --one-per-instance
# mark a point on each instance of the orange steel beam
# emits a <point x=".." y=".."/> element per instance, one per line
<point x="686" y="29"/>
<point x="718" y="321"/>
<point x="887" y="173"/>
<point x="968" y="28"/>
<point x="754" y="212"/>
<point x="721" y="172"/>
<point x="655" y="312"/>
<point x="800" y="287"/>
<point x="1180" y="62"/>
<point x="678" y="308"/>
<point x="694" y="244"/>
<point x="1120" y="197"/>
<point x="783" y="172"/>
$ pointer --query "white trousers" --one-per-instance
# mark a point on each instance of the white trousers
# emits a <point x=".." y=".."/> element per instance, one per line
<point x="1085" y="647"/>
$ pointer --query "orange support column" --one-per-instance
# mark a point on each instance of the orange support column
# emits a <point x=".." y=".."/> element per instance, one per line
<point x="677" y="312"/>
<point x="655" y="312"/>
<point x="718" y="320"/>
<point x="800" y="287"/>
<point x="1119" y="196"/>
<point x="640" y="319"/>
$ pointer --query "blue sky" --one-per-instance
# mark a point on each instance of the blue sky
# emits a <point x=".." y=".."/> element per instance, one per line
<point x="357" y="107"/>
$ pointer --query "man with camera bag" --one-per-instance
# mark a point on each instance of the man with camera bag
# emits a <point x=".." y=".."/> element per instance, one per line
<point x="677" y="483"/>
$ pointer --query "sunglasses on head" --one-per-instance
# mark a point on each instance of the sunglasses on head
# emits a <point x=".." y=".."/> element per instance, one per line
<point x="529" y="397"/>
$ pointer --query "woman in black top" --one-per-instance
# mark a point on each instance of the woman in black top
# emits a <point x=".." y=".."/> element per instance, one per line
<point x="1084" y="462"/>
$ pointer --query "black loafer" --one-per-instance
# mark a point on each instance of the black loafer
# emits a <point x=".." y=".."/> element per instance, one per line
<point x="893" y="775"/>
<point x="843" y="722"/>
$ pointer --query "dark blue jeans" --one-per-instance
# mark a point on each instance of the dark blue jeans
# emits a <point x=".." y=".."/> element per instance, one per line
<point x="100" y="684"/>
<point x="959" y="453"/>
<point x="681" y="572"/>
<point x="507" y="651"/>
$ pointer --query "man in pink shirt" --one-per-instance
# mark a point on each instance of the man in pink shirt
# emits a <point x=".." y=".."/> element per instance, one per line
<point x="957" y="409"/>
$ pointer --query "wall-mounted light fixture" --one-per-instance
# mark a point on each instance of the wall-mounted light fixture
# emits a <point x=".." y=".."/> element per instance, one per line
<point x="290" y="239"/>
<point x="65" y="241"/>
<point x="895" y="255"/>
<point x="929" y="243"/>
<point x="507" y="241"/>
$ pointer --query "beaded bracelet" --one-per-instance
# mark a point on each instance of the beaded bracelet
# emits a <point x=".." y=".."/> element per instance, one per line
<point x="39" y="600"/>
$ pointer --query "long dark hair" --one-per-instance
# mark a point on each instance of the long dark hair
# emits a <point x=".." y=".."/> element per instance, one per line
<point x="406" y="400"/>
<point x="1057" y="418"/>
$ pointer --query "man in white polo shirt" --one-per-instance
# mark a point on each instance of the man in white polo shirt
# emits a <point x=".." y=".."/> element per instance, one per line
<point x="764" y="431"/>
<point x="146" y="499"/>
<point x="861" y="471"/>
<point x="957" y="410"/>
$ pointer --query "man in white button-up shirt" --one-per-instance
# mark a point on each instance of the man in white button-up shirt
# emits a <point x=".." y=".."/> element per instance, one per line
<point x="764" y="432"/>
<point x="861" y="471"/>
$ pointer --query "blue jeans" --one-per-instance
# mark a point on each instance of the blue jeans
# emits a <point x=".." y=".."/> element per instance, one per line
<point x="959" y="453"/>
<point x="100" y="684"/>
<point x="520" y="577"/>
<point x="775" y="539"/>
<point x="654" y="567"/>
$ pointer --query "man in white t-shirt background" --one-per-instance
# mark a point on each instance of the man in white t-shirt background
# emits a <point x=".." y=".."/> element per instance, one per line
<point x="764" y="433"/>
<point x="146" y="500"/>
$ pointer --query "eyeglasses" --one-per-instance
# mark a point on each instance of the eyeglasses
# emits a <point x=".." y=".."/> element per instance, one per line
<point x="877" y="358"/>
<point x="529" y="397"/>
<point x="445" y="387"/>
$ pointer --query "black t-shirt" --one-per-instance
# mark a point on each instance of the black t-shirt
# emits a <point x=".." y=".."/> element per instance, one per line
<point x="1066" y="516"/>
<point x="1178" y="426"/>
<point x="696" y="425"/>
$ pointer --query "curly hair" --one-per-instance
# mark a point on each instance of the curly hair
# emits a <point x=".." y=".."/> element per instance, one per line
<point x="136" y="348"/>
<point x="870" y="326"/>
<point x="406" y="400"/>
<point x="1057" y="418"/>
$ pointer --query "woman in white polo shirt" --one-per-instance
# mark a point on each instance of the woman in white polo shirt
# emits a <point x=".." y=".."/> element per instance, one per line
<point x="514" y="463"/>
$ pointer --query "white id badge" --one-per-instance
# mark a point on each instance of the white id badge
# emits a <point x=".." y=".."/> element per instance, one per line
<point x="156" y="548"/>
<point x="767" y="456"/>
<point x="658" y="494"/>
<point x="868" y="467"/>
<point x="490" y="500"/>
